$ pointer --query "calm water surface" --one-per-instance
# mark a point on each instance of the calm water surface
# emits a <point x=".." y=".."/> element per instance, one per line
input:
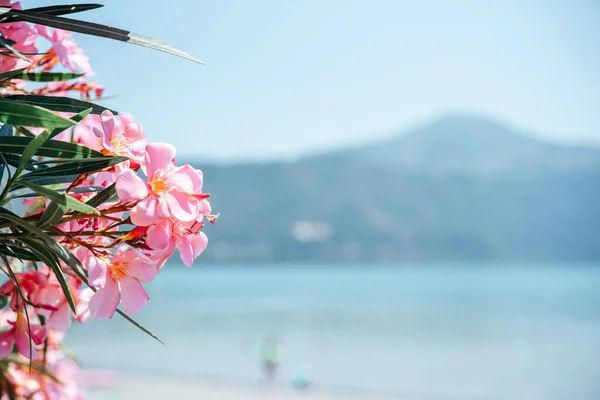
<point x="424" y="332"/>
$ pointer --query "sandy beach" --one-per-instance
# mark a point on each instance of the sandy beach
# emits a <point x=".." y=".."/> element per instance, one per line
<point x="130" y="387"/>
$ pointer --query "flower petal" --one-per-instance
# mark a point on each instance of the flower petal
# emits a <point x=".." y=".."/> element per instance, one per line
<point x="182" y="206"/>
<point x="38" y="334"/>
<point x="97" y="270"/>
<point x="131" y="187"/>
<point x="61" y="318"/>
<point x="159" y="236"/>
<point x="7" y="342"/>
<point x="139" y="265"/>
<point x="134" y="295"/>
<point x="22" y="339"/>
<point x="145" y="213"/>
<point x="158" y="156"/>
<point x="107" y="119"/>
<point x="105" y="301"/>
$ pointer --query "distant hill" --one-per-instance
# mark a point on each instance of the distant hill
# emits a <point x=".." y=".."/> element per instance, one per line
<point x="476" y="145"/>
<point x="459" y="188"/>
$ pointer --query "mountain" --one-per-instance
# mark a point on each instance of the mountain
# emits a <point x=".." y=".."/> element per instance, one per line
<point x="459" y="188"/>
<point x="476" y="145"/>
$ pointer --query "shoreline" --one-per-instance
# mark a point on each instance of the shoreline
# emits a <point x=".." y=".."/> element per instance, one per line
<point x="119" y="386"/>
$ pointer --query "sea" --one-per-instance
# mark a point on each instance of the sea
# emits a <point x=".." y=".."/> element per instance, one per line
<point x="422" y="331"/>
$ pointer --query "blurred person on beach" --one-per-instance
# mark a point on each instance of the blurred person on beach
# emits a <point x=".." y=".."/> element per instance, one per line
<point x="270" y="359"/>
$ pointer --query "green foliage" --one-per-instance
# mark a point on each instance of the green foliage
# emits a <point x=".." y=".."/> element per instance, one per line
<point x="20" y="113"/>
<point x="36" y="165"/>
<point x="54" y="103"/>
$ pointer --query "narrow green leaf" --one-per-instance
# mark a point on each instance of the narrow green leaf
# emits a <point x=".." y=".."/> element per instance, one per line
<point x="53" y="245"/>
<point x="52" y="214"/>
<point x="81" y="166"/>
<point x="51" y="148"/>
<point x="19" y="113"/>
<point x="48" y="76"/>
<point x="102" y="197"/>
<point x="140" y="327"/>
<point x="15" y="161"/>
<point x="58" y="10"/>
<point x="6" y="131"/>
<point x="45" y="181"/>
<point x="42" y="138"/>
<point x="60" y="198"/>
<point x="7" y="44"/>
<point x="77" y="118"/>
<point x="63" y="104"/>
<point x="10" y="250"/>
<point x="94" y="29"/>
<point x="10" y="74"/>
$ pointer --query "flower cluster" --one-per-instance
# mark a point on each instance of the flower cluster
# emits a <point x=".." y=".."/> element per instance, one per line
<point x="149" y="208"/>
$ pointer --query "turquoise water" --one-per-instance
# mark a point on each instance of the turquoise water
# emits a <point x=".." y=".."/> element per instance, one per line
<point x="422" y="332"/>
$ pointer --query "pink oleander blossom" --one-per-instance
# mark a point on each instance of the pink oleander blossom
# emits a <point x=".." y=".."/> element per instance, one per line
<point x="171" y="191"/>
<point x="24" y="36"/>
<point x="57" y="310"/>
<point x="85" y="132"/>
<point x="65" y="50"/>
<point x="119" y="280"/>
<point x="18" y="335"/>
<point x="29" y="282"/>
<point x="127" y="141"/>
<point x="169" y="234"/>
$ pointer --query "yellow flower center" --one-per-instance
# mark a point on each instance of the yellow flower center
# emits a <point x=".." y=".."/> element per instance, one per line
<point x="158" y="186"/>
<point x="118" y="271"/>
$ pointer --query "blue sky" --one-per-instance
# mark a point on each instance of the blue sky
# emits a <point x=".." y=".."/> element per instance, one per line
<point x="283" y="78"/>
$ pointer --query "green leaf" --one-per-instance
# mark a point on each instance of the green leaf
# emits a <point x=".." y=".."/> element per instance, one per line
<point x="15" y="161"/>
<point x="42" y="138"/>
<point x="52" y="214"/>
<point x="40" y="249"/>
<point x="51" y="148"/>
<point x="7" y="44"/>
<point x="140" y="327"/>
<point x="91" y="28"/>
<point x="10" y="74"/>
<point x="102" y="197"/>
<point x="53" y="245"/>
<point x="6" y="131"/>
<point x="45" y="181"/>
<point x="19" y="113"/>
<point x="81" y="166"/>
<point x="60" y="198"/>
<point x="10" y="250"/>
<point x="63" y="104"/>
<point x="76" y="118"/>
<point x="58" y="10"/>
<point x="48" y="76"/>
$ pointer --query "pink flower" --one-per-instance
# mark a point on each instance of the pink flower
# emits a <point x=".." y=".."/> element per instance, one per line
<point x="19" y="335"/>
<point x="85" y="131"/>
<point x="30" y="283"/>
<point x="66" y="50"/>
<point x="119" y="280"/>
<point x="20" y="32"/>
<point x="125" y="141"/>
<point x="52" y="298"/>
<point x="171" y="192"/>
<point x="186" y="236"/>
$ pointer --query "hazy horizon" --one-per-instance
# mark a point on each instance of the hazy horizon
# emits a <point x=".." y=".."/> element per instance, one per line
<point x="376" y="138"/>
